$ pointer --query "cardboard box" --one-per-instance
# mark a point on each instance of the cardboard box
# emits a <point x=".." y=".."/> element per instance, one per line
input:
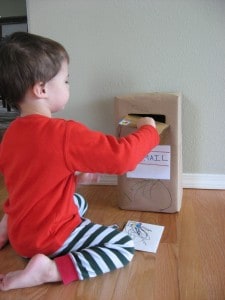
<point x="159" y="192"/>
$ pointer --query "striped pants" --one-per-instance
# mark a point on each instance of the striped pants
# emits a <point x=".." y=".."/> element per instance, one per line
<point x="92" y="249"/>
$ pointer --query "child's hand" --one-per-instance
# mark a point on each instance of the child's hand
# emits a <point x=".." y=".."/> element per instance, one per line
<point x="3" y="231"/>
<point x="88" y="178"/>
<point x="146" y="121"/>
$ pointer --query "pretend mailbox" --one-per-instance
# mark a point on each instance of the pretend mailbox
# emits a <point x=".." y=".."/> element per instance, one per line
<point x="156" y="183"/>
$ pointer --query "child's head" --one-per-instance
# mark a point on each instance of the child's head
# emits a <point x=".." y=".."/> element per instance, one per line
<point x="26" y="59"/>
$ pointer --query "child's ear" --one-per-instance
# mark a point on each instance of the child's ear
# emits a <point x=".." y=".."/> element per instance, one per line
<point x="39" y="89"/>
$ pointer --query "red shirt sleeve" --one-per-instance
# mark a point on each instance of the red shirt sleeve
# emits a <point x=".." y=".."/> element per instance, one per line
<point x="92" y="151"/>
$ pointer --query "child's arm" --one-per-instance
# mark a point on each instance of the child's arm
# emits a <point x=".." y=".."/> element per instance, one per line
<point x="95" y="152"/>
<point x="3" y="231"/>
<point x="87" y="178"/>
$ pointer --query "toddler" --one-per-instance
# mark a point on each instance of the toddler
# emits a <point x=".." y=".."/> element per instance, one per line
<point x="40" y="157"/>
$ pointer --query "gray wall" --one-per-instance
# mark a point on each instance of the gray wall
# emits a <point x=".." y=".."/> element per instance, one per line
<point x="128" y="46"/>
<point x="12" y="8"/>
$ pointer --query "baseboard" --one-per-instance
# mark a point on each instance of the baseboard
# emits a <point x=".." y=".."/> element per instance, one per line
<point x="108" y="180"/>
<point x="194" y="181"/>
<point x="204" y="181"/>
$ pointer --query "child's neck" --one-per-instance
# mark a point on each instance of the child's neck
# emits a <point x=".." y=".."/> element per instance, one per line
<point x="34" y="112"/>
<point x="33" y="105"/>
<point x="27" y="109"/>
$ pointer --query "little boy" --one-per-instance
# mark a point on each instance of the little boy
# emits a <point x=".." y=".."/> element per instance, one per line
<point x="39" y="159"/>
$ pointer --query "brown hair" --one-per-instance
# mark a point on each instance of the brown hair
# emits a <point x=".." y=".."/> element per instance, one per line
<point x="25" y="59"/>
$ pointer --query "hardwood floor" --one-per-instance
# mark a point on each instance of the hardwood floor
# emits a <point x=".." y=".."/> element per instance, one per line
<point x="189" y="264"/>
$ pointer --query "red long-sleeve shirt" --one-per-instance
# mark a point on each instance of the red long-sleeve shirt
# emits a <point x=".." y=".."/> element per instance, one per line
<point x="38" y="158"/>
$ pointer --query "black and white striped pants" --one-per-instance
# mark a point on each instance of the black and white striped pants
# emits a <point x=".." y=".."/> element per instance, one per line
<point x="95" y="249"/>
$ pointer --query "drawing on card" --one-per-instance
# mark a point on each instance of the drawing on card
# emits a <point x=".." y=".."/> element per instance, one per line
<point x="139" y="232"/>
<point x="146" y="236"/>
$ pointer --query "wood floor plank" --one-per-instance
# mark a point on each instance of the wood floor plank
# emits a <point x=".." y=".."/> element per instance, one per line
<point x="189" y="264"/>
<point x="202" y="244"/>
<point x="138" y="279"/>
<point x="166" y="285"/>
<point x="210" y="231"/>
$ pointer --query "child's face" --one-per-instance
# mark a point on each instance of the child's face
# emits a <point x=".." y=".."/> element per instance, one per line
<point x="58" y="89"/>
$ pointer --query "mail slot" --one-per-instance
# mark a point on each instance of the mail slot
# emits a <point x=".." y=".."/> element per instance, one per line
<point x="156" y="183"/>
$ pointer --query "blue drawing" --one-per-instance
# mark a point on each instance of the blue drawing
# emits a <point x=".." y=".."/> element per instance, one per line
<point x="138" y="232"/>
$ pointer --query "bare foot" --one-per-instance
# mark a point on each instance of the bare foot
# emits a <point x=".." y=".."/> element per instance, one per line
<point x="39" y="270"/>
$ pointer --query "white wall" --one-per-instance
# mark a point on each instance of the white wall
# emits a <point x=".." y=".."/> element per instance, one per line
<point x="128" y="46"/>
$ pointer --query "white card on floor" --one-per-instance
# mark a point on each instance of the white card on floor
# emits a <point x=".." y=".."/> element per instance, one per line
<point x="146" y="236"/>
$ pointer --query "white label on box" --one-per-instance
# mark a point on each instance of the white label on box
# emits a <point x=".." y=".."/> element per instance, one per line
<point x="156" y="165"/>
